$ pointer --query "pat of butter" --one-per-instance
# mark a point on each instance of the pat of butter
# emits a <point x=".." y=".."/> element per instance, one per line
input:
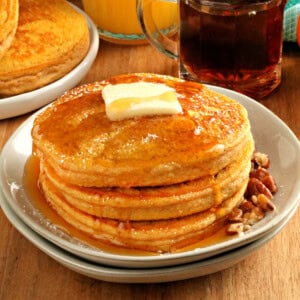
<point x="128" y="100"/>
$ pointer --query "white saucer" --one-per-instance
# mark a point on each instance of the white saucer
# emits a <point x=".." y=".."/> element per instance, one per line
<point x="26" y="102"/>
<point x="272" y="136"/>
<point x="149" y="275"/>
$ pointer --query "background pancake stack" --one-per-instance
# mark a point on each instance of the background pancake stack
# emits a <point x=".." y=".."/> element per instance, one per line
<point x="157" y="183"/>
<point x="38" y="43"/>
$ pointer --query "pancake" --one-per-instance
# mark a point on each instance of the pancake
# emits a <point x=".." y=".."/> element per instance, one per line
<point x="75" y="137"/>
<point x="51" y="39"/>
<point x="154" y="203"/>
<point x="9" y="13"/>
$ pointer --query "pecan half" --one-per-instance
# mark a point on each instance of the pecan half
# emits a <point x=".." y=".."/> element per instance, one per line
<point x="261" y="159"/>
<point x="260" y="173"/>
<point x="235" y="228"/>
<point x="269" y="182"/>
<point x="256" y="187"/>
<point x="265" y="203"/>
<point x="236" y="216"/>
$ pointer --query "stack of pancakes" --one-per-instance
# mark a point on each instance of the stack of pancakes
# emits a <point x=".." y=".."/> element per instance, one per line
<point x="156" y="183"/>
<point x="40" y="41"/>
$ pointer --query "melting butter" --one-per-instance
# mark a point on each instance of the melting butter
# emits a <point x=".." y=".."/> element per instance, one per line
<point x="128" y="100"/>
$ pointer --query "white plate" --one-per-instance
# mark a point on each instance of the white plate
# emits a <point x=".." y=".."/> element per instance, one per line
<point x="272" y="136"/>
<point x="114" y="274"/>
<point x="26" y="102"/>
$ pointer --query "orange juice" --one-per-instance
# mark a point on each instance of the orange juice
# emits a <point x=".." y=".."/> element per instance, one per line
<point x="117" y="19"/>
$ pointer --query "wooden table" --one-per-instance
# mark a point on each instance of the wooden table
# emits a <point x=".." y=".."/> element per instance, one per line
<point x="272" y="272"/>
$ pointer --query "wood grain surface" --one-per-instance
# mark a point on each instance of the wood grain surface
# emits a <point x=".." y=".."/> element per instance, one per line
<point x="272" y="272"/>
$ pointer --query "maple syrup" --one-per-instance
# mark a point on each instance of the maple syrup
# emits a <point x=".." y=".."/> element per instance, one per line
<point x="235" y="44"/>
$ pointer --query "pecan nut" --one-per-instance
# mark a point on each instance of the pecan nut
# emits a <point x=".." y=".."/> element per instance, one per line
<point x="265" y="203"/>
<point x="261" y="159"/>
<point x="256" y="187"/>
<point x="236" y="215"/>
<point x="269" y="182"/>
<point x="235" y="228"/>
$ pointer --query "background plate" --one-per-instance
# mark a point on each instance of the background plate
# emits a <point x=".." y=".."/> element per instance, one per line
<point x="24" y="103"/>
<point x="271" y="135"/>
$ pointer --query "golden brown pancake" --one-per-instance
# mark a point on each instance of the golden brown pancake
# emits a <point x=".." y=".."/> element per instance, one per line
<point x="85" y="148"/>
<point x="9" y="13"/>
<point x="154" y="203"/>
<point x="51" y="39"/>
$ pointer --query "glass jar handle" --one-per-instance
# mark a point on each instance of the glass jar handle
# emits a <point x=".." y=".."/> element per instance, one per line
<point x="159" y="39"/>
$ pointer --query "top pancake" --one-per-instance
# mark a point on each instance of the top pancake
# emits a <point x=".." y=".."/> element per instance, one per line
<point x="51" y="39"/>
<point x="9" y="13"/>
<point x="85" y="148"/>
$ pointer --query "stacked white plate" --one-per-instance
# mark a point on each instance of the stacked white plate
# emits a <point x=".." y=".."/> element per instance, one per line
<point x="271" y="135"/>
